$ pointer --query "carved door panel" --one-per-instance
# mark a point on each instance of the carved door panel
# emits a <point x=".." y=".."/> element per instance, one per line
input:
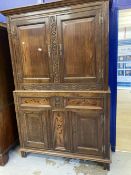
<point x="80" y="45"/>
<point x="34" y="127"/>
<point x="61" y="131"/>
<point x="33" y="62"/>
<point x="87" y="132"/>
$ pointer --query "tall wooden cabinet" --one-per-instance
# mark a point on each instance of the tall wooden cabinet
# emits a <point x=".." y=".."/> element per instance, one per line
<point x="8" y="126"/>
<point x="60" y="63"/>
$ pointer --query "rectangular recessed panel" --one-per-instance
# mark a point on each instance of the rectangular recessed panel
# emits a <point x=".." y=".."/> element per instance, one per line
<point x="34" y="128"/>
<point x="79" y="47"/>
<point x="87" y="131"/>
<point x="32" y="40"/>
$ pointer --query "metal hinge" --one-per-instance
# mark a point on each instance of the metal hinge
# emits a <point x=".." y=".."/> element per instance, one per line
<point x="103" y="148"/>
<point x="60" y="49"/>
<point x="102" y="73"/>
<point x="102" y="119"/>
<point x="101" y="19"/>
<point x="49" y="50"/>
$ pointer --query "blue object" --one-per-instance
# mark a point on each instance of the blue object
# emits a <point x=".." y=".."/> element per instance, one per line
<point x="113" y="52"/>
<point x="124" y="4"/>
<point x="113" y="55"/>
<point x="7" y="4"/>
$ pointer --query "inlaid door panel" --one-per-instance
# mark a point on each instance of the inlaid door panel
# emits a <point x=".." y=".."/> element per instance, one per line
<point x="87" y="132"/>
<point x="33" y="48"/>
<point x="34" y="128"/>
<point x="80" y="44"/>
<point x="61" y="131"/>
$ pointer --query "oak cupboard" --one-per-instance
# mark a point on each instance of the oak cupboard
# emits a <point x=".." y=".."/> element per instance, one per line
<point x="60" y="64"/>
<point x="8" y="126"/>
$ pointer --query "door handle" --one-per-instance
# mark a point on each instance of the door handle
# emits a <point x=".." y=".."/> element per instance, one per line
<point x="49" y="50"/>
<point x="60" y="49"/>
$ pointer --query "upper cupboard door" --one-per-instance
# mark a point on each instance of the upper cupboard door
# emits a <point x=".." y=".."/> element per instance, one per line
<point x="33" y="55"/>
<point x="80" y="47"/>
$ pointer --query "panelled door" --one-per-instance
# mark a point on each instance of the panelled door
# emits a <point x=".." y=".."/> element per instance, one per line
<point x="34" y="126"/>
<point x="31" y="45"/>
<point x="80" y="47"/>
<point x="87" y="128"/>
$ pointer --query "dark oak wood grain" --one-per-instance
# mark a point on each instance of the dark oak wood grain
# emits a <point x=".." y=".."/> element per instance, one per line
<point x="76" y="61"/>
<point x="81" y="54"/>
<point x="8" y="128"/>
<point x="60" y="63"/>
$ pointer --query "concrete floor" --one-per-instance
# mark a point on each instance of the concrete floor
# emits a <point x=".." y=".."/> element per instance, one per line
<point x="123" y="141"/>
<point x="47" y="165"/>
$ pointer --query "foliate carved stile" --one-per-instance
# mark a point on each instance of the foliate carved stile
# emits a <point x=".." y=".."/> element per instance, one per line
<point x="11" y="36"/>
<point x="59" y="129"/>
<point x="16" y="52"/>
<point x="54" y="48"/>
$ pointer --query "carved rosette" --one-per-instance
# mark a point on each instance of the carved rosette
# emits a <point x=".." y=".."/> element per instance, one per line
<point x="54" y="52"/>
<point x="58" y="103"/>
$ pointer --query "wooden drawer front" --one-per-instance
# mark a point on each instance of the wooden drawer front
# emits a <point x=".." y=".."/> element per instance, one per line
<point x="97" y="103"/>
<point x="34" y="101"/>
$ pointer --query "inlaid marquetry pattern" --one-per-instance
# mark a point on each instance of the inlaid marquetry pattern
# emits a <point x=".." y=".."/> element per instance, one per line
<point x="59" y="128"/>
<point x="54" y="53"/>
<point x="35" y="101"/>
<point x="85" y="102"/>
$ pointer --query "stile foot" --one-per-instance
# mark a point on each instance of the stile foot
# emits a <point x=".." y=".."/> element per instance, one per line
<point x="23" y="154"/>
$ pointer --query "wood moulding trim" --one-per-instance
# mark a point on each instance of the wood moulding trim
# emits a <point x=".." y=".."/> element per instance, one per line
<point x="3" y="26"/>
<point x="46" y="6"/>
<point x="83" y="107"/>
<point x="66" y="154"/>
<point x="48" y="93"/>
<point x="61" y="86"/>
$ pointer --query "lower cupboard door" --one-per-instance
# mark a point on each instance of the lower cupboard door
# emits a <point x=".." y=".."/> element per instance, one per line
<point x="87" y="132"/>
<point x="33" y="128"/>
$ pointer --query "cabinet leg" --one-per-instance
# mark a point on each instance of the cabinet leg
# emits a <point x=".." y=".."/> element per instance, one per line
<point x="23" y="154"/>
<point x="3" y="159"/>
<point x="107" y="166"/>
